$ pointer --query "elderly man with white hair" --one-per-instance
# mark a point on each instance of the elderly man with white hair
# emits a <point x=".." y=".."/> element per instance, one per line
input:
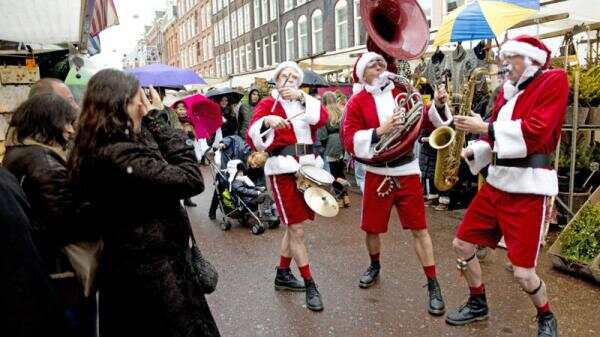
<point x="294" y="118"/>
<point x="516" y="144"/>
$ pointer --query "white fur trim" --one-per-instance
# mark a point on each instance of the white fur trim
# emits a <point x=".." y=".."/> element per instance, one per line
<point x="288" y="64"/>
<point x="436" y="119"/>
<point x="254" y="132"/>
<point x="313" y="110"/>
<point x="524" y="49"/>
<point x="356" y="87"/>
<point x="482" y="156"/>
<point x="361" y="65"/>
<point x="362" y="144"/>
<point x="385" y="104"/>
<point x="407" y="169"/>
<point x="287" y="164"/>
<point x="278" y="199"/>
<point x="523" y="180"/>
<point x="509" y="141"/>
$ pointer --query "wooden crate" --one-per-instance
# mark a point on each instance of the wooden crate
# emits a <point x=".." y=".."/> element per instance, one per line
<point x="591" y="270"/>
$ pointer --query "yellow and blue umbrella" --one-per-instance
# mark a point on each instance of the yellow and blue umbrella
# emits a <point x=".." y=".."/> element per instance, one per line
<point x="484" y="19"/>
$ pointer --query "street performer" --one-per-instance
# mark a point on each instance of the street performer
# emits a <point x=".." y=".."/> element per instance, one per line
<point x="517" y="142"/>
<point x="369" y="116"/>
<point x="285" y="124"/>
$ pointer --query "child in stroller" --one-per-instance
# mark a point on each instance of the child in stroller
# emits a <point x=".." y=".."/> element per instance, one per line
<point x="237" y="196"/>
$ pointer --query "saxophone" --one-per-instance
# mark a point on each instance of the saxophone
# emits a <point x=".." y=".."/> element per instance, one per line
<point x="449" y="142"/>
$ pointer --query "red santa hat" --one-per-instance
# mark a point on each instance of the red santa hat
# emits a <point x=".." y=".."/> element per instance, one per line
<point x="361" y="65"/>
<point x="288" y="64"/>
<point x="527" y="46"/>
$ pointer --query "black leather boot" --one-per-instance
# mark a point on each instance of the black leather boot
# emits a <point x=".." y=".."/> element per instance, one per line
<point x="547" y="325"/>
<point x="436" y="305"/>
<point x="285" y="280"/>
<point x="475" y="309"/>
<point x="313" y="297"/>
<point x="369" y="277"/>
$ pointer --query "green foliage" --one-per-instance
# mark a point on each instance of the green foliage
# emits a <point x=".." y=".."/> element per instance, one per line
<point x="585" y="153"/>
<point x="581" y="239"/>
<point x="589" y="84"/>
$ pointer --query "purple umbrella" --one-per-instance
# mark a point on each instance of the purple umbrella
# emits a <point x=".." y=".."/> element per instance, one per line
<point x="162" y="75"/>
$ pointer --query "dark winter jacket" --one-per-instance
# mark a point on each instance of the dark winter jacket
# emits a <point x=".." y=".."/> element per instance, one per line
<point x="235" y="148"/>
<point x="230" y="124"/>
<point x="30" y="307"/>
<point x="145" y="282"/>
<point x="42" y="173"/>
<point x="245" y="191"/>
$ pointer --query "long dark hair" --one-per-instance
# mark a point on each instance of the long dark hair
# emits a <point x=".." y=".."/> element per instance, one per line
<point x="43" y="118"/>
<point x="104" y="115"/>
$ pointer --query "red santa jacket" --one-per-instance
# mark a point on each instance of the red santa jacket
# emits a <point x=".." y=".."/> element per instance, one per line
<point x="528" y="123"/>
<point x="302" y="131"/>
<point x="362" y="116"/>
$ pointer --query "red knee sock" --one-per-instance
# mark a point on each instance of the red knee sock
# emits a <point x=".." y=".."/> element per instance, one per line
<point x="429" y="271"/>
<point x="284" y="262"/>
<point x="544" y="309"/>
<point x="305" y="272"/>
<point x="477" y="290"/>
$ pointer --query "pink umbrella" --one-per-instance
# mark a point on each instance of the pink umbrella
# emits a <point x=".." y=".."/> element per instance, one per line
<point x="204" y="114"/>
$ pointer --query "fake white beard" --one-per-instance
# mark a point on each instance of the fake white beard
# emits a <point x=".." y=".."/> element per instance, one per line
<point x="382" y="81"/>
<point x="510" y="88"/>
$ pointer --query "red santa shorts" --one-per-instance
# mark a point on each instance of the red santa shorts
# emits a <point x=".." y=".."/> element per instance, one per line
<point x="517" y="217"/>
<point x="408" y="200"/>
<point x="289" y="200"/>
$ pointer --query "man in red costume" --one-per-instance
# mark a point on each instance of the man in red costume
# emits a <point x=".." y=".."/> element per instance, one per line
<point x="285" y="124"/>
<point x="517" y="142"/>
<point x="369" y="116"/>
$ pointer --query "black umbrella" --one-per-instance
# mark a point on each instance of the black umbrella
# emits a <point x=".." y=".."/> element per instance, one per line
<point x="233" y="95"/>
<point x="311" y="79"/>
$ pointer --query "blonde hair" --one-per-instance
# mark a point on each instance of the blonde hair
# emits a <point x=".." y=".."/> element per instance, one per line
<point x="330" y="101"/>
<point x="257" y="159"/>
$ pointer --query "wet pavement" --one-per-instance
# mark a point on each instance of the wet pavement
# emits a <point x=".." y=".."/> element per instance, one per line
<point x="245" y="303"/>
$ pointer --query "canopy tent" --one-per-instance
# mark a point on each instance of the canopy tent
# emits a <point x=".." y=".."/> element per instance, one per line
<point x="54" y="22"/>
<point x="40" y="21"/>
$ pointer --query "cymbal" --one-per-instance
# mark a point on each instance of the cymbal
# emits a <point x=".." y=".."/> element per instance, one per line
<point x="321" y="202"/>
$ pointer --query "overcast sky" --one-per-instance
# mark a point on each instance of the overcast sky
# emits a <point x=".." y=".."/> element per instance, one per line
<point x="121" y="39"/>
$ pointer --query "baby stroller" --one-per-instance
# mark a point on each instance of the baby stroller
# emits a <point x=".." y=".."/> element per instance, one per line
<point x="238" y="197"/>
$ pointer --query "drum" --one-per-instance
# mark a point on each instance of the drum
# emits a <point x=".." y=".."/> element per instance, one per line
<point x="312" y="176"/>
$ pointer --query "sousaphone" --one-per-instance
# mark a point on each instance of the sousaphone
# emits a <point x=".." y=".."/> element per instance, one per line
<point x="397" y="29"/>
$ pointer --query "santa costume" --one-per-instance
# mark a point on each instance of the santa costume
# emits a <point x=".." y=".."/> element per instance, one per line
<point x="524" y="130"/>
<point x="289" y="148"/>
<point x="366" y="110"/>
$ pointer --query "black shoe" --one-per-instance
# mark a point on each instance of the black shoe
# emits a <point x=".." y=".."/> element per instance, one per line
<point x="547" y="325"/>
<point x="475" y="309"/>
<point x="436" y="305"/>
<point x="212" y="216"/>
<point x="285" y="280"/>
<point x="188" y="203"/>
<point x="313" y="297"/>
<point x="369" y="277"/>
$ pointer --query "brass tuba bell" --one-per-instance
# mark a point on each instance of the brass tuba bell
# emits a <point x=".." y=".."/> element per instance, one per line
<point x="398" y="28"/>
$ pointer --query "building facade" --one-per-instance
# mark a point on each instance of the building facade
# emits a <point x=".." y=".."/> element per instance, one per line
<point x="254" y="35"/>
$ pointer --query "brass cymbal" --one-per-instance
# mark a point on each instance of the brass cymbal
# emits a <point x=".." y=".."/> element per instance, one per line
<point x="321" y="202"/>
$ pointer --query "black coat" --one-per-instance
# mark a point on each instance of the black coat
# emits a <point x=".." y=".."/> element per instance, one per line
<point x="29" y="306"/>
<point x="145" y="281"/>
<point x="45" y="180"/>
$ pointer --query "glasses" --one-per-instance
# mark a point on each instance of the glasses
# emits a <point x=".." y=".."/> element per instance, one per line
<point x="377" y="62"/>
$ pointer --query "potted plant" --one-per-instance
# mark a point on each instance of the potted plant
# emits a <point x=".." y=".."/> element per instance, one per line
<point x="577" y="248"/>
<point x="589" y="87"/>
<point x="583" y="110"/>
